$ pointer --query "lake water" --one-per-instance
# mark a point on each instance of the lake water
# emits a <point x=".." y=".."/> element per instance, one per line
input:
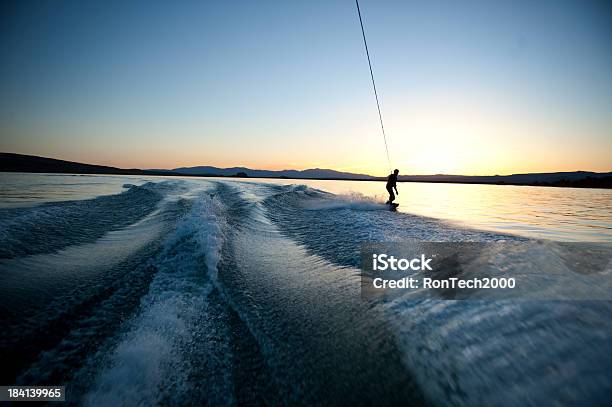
<point x="153" y="291"/>
<point x="563" y="214"/>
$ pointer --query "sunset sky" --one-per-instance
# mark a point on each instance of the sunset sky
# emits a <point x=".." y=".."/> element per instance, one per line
<point x="474" y="87"/>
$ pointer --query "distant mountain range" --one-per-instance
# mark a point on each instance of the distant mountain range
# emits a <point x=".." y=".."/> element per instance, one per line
<point x="10" y="162"/>
<point x="316" y="173"/>
<point x="520" y="179"/>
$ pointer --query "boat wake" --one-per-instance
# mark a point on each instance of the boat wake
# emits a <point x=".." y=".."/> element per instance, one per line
<point x="213" y="292"/>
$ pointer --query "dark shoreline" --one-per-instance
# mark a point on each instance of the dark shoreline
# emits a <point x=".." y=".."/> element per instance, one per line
<point x="18" y="163"/>
<point x="170" y="174"/>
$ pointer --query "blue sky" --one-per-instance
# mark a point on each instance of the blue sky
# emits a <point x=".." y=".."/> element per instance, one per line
<point x="476" y="87"/>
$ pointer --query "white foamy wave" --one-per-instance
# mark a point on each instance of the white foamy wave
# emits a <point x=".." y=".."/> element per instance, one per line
<point x="150" y="356"/>
<point x="354" y="201"/>
<point x="442" y="342"/>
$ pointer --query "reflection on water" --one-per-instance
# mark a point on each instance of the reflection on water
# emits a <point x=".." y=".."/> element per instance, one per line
<point x="18" y="190"/>
<point x="565" y="214"/>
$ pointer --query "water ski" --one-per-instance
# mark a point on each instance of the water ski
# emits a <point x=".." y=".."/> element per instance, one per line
<point x="393" y="206"/>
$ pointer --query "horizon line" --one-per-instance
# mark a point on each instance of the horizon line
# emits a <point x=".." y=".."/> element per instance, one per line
<point x="302" y="170"/>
